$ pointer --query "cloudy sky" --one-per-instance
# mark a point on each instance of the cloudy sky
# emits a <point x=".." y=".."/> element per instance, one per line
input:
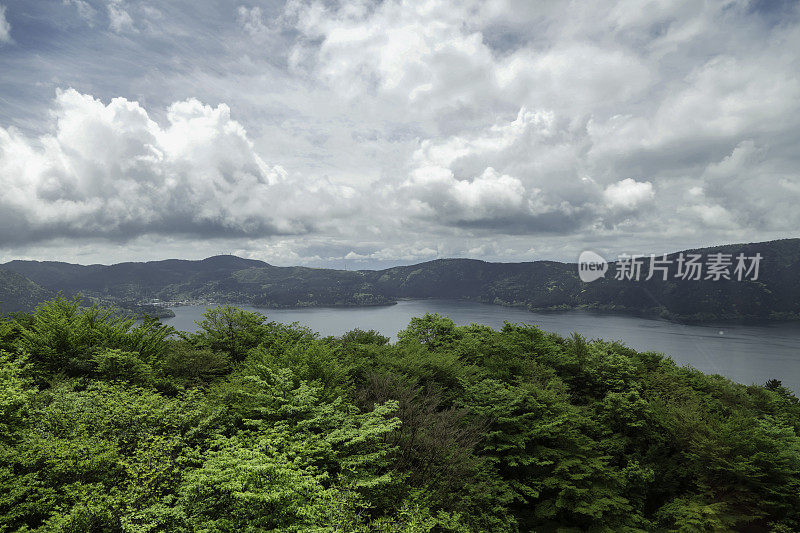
<point x="379" y="133"/>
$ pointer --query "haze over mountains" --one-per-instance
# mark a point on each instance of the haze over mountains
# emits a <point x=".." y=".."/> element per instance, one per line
<point x="539" y="285"/>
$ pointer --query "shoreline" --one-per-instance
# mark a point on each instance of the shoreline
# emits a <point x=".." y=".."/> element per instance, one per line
<point x="655" y="316"/>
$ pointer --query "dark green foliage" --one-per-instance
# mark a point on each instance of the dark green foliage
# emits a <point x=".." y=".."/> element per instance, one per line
<point x="231" y="331"/>
<point x="63" y="337"/>
<point x="431" y="330"/>
<point x="360" y="337"/>
<point x="185" y="364"/>
<point x="251" y="425"/>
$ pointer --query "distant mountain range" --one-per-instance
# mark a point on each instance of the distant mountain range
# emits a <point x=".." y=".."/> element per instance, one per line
<point x="537" y="286"/>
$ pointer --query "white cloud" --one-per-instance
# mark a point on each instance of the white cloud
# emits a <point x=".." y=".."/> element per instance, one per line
<point x="85" y="10"/>
<point x="119" y="20"/>
<point x="515" y="176"/>
<point x="436" y="57"/>
<point x="485" y="197"/>
<point x="628" y="193"/>
<point x="5" y="27"/>
<point x="606" y="91"/>
<point x="419" y="53"/>
<point x="464" y="128"/>
<point x="251" y="21"/>
<point x="111" y="171"/>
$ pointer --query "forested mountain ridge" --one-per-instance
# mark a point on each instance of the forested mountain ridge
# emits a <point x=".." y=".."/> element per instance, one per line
<point x="539" y="285"/>
<point x="17" y="293"/>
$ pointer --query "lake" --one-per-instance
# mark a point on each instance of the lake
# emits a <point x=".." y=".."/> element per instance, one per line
<point x="747" y="354"/>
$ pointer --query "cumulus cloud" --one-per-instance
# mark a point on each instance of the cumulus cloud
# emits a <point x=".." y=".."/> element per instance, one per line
<point x="448" y="60"/>
<point x="5" y="27"/>
<point x="628" y="193"/>
<point x="608" y="92"/>
<point x="395" y="48"/>
<point x="516" y="176"/>
<point x="484" y="197"/>
<point x="408" y="128"/>
<point x="111" y="171"/>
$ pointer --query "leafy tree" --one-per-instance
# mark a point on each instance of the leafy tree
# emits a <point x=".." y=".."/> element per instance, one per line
<point x="431" y="330"/>
<point x="184" y="364"/>
<point x="361" y="337"/>
<point x="233" y="331"/>
<point x="62" y="337"/>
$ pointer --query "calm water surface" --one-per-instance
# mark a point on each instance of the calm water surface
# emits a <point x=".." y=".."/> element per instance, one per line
<point x="747" y="354"/>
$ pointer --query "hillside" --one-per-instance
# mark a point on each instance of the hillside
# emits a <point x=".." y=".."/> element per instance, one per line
<point x="18" y="293"/>
<point x="537" y="286"/>
<point x="226" y="279"/>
